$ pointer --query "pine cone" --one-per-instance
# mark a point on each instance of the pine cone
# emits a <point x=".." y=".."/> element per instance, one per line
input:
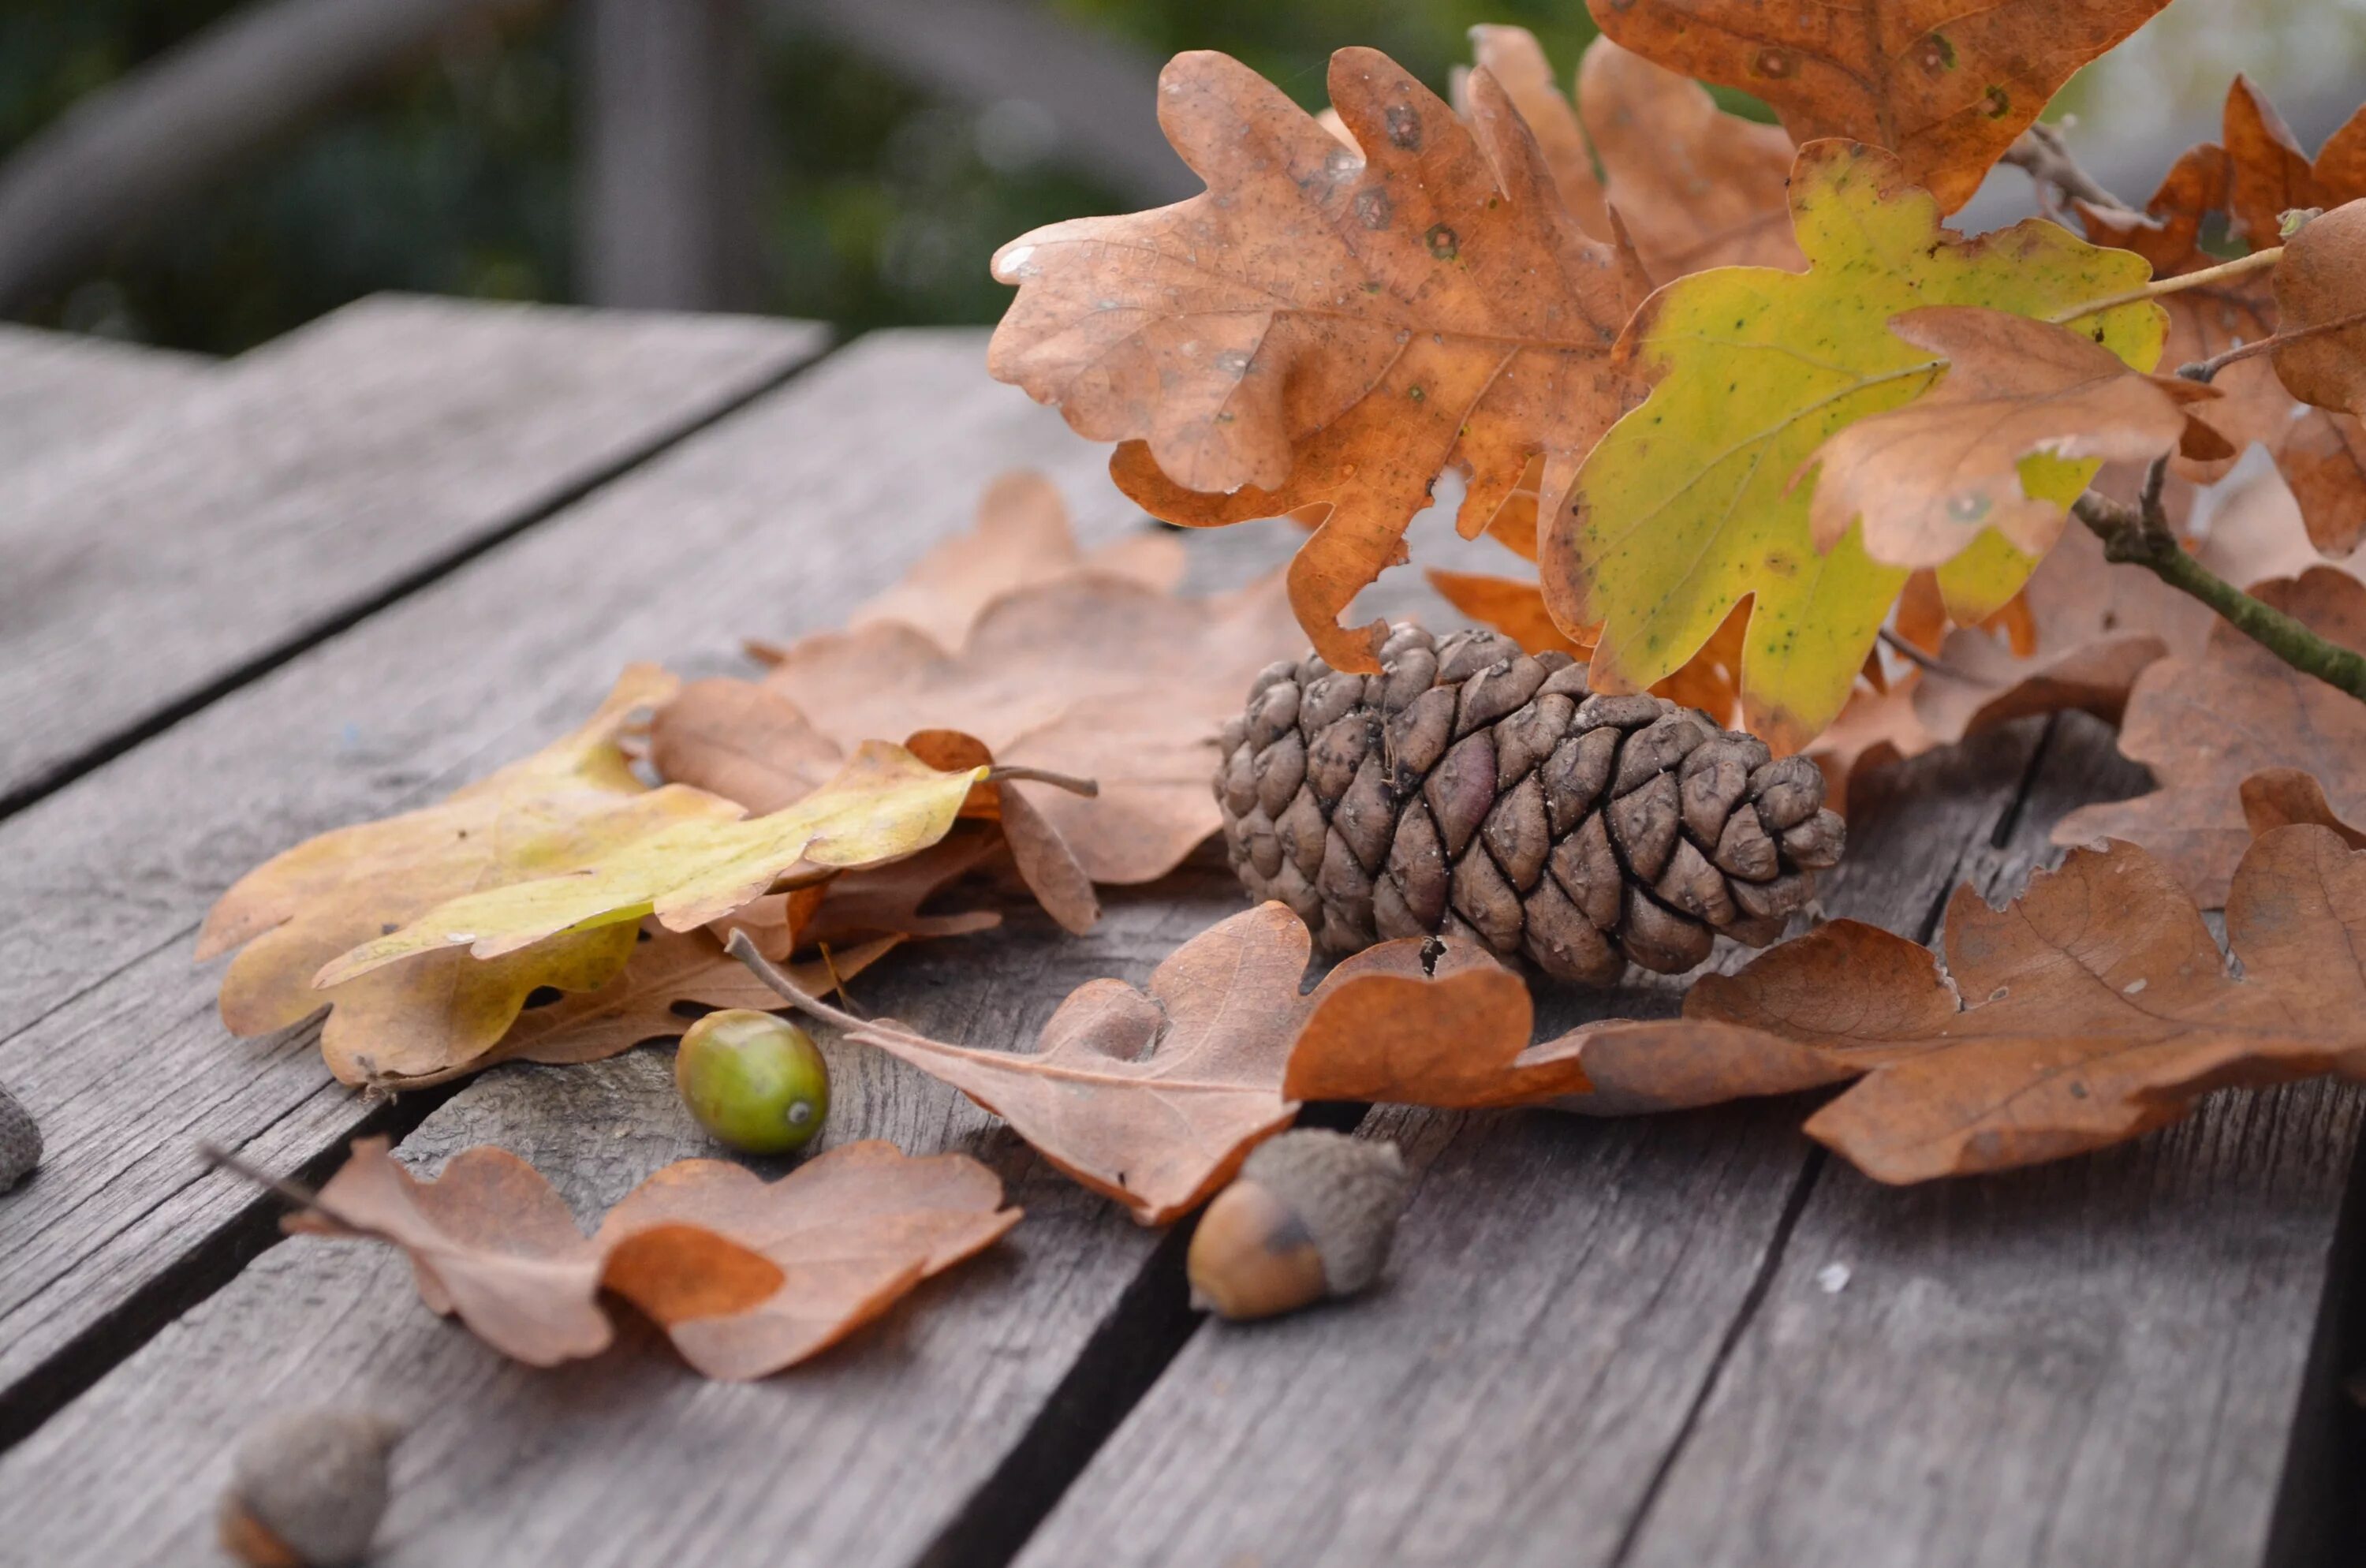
<point x="1477" y="791"/>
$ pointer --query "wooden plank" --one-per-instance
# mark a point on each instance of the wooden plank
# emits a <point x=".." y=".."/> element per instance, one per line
<point x="2093" y="1361"/>
<point x="772" y="521"/>
<point x="1560" y="1294"/>
<point x="57" y="389"/>
<point x="310" y="480"/>
<point x="870" y="1455"/>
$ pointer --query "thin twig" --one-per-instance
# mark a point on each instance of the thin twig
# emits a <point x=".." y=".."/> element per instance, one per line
<point x="1913" y="655"/>
<point x="2140" y="535"/>
<point x="2205" y="369"/>
<point x="2045" y="157"/>
<point x="2160" y="286"/>
<point x="837" y="981"/>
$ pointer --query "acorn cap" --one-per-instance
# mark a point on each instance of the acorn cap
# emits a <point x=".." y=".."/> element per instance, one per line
<point x="1347" y="1192"/>
<point x="20" y="1141"/>
<point x="307" y="1489"/>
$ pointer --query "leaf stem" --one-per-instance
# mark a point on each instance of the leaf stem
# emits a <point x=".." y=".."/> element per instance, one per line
<point x="2158" y="287"/>
<point x="2205" y="369"/>
<point x="2140" y="535"/>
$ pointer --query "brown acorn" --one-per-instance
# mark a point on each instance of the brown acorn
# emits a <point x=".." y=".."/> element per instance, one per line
<point x="307" y="1490"/>
<point x="1311" y="1215"/>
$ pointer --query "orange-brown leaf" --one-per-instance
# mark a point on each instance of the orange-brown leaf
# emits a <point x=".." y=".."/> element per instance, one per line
<point x="1150" y="1097"/>
<point x="1928" y="478"/>
<point x="1324" y="328"/>
<point x="1448" y="1027"/>
<point x="1696" y="186"/>
<point x="746" y="1276"/>
<point x="2094" y="1009"/>
<point x="1947" y="85"/>
<point x="2206" y="723"/>
<point x="1090" y="676"/>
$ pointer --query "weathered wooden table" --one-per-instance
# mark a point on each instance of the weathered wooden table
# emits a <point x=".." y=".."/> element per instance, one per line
<point x="241" y="603"/>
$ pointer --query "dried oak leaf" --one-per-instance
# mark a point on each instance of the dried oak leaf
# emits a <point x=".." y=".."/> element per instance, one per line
<point x="2206" y="723"/>
<point x="1091" y="677"/>
<point x="1696" y="188"/>
<point x="1926" y="478"/>
<point x="574" y="799"/>
<point x="1453" y="1031"/>
<point x="1150" y="1097"/>
<point x="670" y="980"/>
<point x="746" y="1277"/>
<point x="2252" y="179"/>
<point x="1021" y="538"/>
<point x="1520" y="67"/>
<point x="1946" y="85"/>
<point x="1685" y="508"/>
<point x="2320" y="288"/>
<point x="2097" y="627"/>
<point x="2094" y="1009"/>
<point x="883" y="804"/>
<point x="1324" y="328"/>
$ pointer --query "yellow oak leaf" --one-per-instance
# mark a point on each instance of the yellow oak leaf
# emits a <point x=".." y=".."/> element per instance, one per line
<point x="1687" y="506"/>
<point x="883" y="804"/>
<point x="575" y="798"/>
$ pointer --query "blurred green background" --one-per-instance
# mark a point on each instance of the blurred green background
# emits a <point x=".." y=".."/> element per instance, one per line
<point x="879" y="203"/>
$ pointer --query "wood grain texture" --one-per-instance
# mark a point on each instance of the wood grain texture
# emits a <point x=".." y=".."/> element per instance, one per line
<point x="1561" y="1292"/>
<point x="58" y="389"/>
<point x="863" y="1457"/>
<point x="2092" y="1361"/>
<point x="310" y="479"/>
<point x="772" y="522"/>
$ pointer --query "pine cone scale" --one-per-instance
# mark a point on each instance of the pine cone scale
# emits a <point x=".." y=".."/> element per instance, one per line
<point x="1473" y="789"/>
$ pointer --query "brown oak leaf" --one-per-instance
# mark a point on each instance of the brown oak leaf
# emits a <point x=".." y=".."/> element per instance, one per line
<point x="746" y="1277"/>
<point x="1946" y="85"/>
<point x="1454" y="1031"/>
<point x="1696" y="186"/>
<point x="1928" y="478"/>
<point x="1149" y="1096"/>
<point x="1021" y="538"/>
<point x="1520" y="67"/>
<point x="2205" y="724"/>
<point x="441" y="1014"/>
<point x="1322" y="327"/>
<point x="2094" y="1009"/>
<point x="1092" y="677"/>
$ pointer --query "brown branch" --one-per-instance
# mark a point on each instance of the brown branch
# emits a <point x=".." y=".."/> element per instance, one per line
<point x="2042" y="154"/>
<point x="2207" y="369"/>
<point x="2140" y="535"/>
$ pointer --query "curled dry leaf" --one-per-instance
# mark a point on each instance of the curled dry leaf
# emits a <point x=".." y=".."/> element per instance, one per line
<point x="2094" y="1009"/>
<point x="1091" y="676"/>
<point x="574" y="800"/>
<point x="1324" y="328"/>
<point x="1150" y="1097"/>
<point x="2320" y="288"/>
<point x="1926" y="478"/>
<point x="671" y="978"/>
<point x="1946" y="85"/>
<point x="746" y="1276"/>
<point x="883" y="804"/>
<point x="1021" y="538"/>
<point x="2205" y="724"/>
<point x="1455" y="1032"/>
<point x="1684" y="511"/>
